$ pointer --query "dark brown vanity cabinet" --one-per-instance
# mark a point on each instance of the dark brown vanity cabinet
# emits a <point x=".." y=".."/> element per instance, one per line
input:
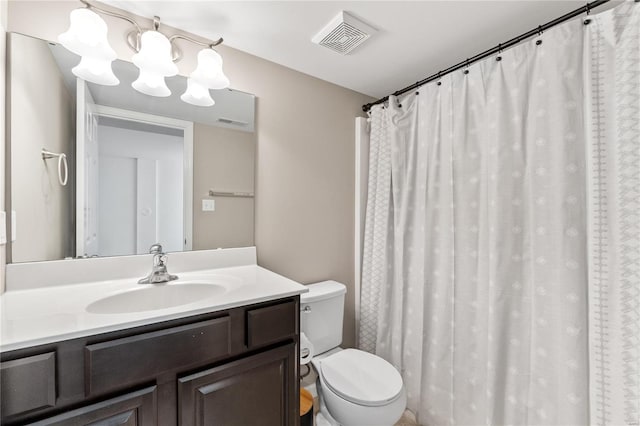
<point x="132" y="409"/>
<point x="252" y="391"/>
<point x="234" y="367"/>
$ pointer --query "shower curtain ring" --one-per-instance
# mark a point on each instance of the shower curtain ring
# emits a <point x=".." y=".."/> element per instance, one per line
<point x="539" y="42"/>
<point x="499" y="57"/>
<point x="587" y="20"/>
<point x="466" y="71"/>
<point x="439" y="82"/>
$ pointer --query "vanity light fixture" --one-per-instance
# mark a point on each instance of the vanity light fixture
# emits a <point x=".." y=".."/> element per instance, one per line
<point x="155" y="56"/>
<point x="209" y="70"/>
<point x="87" y="37"/>
<point x="197" y="94"/>
<point x="155" y="62"/>
<point x="207" y="75"/>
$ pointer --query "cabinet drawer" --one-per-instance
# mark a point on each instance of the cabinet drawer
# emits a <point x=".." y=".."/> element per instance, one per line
<point x="271" y="324"/>
<point x="131" y="360"/>
<point x="132" y="409"/>
<point x="28" y="384"/>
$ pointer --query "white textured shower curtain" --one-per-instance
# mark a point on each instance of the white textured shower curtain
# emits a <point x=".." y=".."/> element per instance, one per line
<point x="478" y="273"/>
<point x="612" y="85"/>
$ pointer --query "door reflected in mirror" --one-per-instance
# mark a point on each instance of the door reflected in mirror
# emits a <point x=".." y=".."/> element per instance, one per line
<point x="141" y="169"/>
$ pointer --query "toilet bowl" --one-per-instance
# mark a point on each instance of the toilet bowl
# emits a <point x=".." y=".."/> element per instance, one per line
<point x="356" y="388"/>
<point x="360" y="389"/>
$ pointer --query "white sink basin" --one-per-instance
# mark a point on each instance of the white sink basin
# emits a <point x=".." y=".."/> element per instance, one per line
<point x="155" y="297"/>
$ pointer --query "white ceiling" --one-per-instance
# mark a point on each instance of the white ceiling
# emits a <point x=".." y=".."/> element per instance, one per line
<point x="414" y="39"/>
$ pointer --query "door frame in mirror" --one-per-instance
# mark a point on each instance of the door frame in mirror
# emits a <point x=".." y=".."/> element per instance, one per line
<point x="140" y="117"/>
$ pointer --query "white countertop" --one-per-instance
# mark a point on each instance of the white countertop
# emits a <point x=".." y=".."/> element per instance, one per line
<point x="49" y="314"/>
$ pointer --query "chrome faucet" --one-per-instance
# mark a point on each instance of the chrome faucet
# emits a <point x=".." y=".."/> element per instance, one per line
<point x="159" y="272"/>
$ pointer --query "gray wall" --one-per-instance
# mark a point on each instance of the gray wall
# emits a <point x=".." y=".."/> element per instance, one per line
<point x="223" y="160"/>
<point x="305" y="179"/>
<point x="38" y="92"/>
<point x="305" y="195"/>
<point x="3" y="27"/>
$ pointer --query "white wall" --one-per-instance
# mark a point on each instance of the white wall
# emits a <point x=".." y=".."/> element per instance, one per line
<point x="120" y="219"/>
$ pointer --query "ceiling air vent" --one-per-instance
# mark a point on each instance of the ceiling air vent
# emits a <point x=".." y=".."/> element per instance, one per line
<point x="344" y="33"/>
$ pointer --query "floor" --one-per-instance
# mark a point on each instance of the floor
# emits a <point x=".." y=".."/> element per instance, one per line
<point x="407" y="419"/>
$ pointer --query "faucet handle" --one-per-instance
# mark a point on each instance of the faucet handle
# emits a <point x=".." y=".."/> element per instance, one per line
<point x="155" y="249"/>
<point x="161" y="260"/>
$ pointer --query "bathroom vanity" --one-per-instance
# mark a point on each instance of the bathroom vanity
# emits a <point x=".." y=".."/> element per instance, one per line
<point x="230" y="359"/>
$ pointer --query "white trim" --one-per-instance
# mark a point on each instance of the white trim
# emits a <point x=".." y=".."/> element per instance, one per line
<point x="141" y="117"/>
<point x="187" y="128"/>
<point x="84" y="110"/>
<point x="361" y="175"/>
<point x="81" y="123"/>
<point x="187" y="216"/>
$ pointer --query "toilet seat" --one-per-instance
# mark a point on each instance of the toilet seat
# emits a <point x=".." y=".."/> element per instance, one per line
<point x="361" y="378"/>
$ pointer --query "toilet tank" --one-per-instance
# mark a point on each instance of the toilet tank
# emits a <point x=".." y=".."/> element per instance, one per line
<point x="321" y="312"/>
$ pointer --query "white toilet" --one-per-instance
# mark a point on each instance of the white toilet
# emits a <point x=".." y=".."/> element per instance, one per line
<point x="356" y="388"/>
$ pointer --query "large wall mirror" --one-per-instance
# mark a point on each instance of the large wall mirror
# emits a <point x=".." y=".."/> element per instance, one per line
<point x="136" y="169"/>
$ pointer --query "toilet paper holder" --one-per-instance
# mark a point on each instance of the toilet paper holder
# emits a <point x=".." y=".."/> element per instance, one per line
<point x="306" y="353"/>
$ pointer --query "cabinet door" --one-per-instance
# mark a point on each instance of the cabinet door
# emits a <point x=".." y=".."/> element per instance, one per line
<point x="259" y="390"/>
<point x="133" y="409"/>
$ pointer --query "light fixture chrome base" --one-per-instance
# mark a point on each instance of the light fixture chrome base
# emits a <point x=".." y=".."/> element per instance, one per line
<point x="133" y="40"/>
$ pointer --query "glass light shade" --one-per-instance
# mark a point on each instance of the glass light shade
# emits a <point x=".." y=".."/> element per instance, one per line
<point x="209" y="70"/>
<point x="155" y="55"/>
<point x="87" y="35"/>
<point x="96" y="71"/>
<point x="151" y="84"/>
<point x="197" y="94"/>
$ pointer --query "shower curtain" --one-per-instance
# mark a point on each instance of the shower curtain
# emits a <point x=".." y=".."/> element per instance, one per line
<point x="501" y="259"/>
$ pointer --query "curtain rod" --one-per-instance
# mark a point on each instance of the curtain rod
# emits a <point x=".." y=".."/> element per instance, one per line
<point x="536" y="31"/>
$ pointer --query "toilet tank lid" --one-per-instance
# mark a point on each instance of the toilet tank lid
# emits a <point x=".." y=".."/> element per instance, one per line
<point x="322" y="290"/>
